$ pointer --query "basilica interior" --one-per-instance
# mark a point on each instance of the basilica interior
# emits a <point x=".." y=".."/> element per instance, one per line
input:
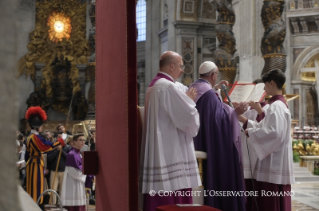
<point x="56" y="61"/>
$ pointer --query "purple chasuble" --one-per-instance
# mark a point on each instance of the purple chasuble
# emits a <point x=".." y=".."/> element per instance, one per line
<point x="74" y="159"/>
<point x="219" y="137"/>
<point x="159" y="76"/>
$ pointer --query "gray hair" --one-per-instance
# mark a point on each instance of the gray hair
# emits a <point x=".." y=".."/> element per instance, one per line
<point x="207" y="75"/>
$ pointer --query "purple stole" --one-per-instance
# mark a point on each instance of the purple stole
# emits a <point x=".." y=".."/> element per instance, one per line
<point x="159" y="76"/>
<point x="277" y="97"/>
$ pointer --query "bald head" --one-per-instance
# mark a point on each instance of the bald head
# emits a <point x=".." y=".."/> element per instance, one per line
<point x="167" y="58"/>
<point x="172" y="64"/>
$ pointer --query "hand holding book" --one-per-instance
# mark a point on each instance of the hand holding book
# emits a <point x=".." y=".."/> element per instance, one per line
<point x="245" y="92"/>
<point x="256" y="106"/>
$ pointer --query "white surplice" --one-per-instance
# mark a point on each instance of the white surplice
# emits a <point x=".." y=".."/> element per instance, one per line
<point x="249" y="162"/>
<point x="168" y="160"/>
<point x="271" y="140"/>
<point x="73" y="188"/>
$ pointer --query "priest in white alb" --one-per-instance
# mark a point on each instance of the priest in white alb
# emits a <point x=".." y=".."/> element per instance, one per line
<point x="271" y="140"/>
<point x="167" y="160"/>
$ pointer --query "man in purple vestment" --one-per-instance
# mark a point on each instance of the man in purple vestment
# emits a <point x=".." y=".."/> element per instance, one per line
<point x="219" y="137"/>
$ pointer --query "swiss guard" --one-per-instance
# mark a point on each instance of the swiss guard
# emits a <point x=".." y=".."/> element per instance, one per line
<point x="36" y="146"/>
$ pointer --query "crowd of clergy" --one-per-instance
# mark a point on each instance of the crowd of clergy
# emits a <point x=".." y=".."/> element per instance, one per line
<point x="248" y="145"/>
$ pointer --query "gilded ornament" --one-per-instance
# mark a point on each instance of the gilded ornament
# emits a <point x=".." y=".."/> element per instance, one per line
<point x="227" y="44"/>
<point x="274" y="35"/>
<point x="43" y="47"/>
<point x="60" y="27"/>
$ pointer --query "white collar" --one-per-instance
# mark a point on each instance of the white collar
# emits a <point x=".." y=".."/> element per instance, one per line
<point x="207" y="82"/>
<point x="34" y="132"/>
<point x="167" y="75"/>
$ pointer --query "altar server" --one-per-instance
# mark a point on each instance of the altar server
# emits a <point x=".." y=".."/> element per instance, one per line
<point x="271" y="141"/>
<point x="168" y="161"/>
<point x="249" y="155"/>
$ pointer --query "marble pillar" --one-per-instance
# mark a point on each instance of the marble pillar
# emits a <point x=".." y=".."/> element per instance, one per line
<point x="11" y="197"/>
<point x="26" y="24"/>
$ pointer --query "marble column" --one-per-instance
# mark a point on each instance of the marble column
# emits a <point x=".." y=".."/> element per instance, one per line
<point x="9" y="105"/>
<point x="141" y="82"/>
<point x="275" y="31"/>
<point x="26" y="24"/>
<point x="91" y="64"/>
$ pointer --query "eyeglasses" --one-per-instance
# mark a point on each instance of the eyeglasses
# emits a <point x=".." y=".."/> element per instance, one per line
<point x="81" y="140"/>
<point x="181" y="66"/>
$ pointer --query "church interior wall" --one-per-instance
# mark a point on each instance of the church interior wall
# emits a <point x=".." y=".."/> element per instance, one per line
<point x="88" y="22"/>
<point x="171" y="17"/>
<point x="174" y="24"/>
<point x="26" y="24"/>
<point x="248" y="31"/>
<point x="140" y="47"/>
<point x="301" y="41"/>
<point x="289" y="52"/>
<point x="152" y="42"/>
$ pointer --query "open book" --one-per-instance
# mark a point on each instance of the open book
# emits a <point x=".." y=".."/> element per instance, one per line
<point x="245" y="92"/>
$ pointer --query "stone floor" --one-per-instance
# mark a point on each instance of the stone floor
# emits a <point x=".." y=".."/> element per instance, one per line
<point x="306" y="191"/>
<point x="91" y="208"/>
<point x="306" y="196"/>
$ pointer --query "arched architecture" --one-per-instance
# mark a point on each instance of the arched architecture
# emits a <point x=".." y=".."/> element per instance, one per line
<point x="305" y="82"/>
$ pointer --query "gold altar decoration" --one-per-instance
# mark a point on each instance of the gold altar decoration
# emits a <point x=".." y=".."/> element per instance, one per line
<point x="288" y="97"/>
<point x="275" y="31"/>
<point x="60" y="27"/>
<point x="84" y="127"/>
<point x="224" y="54"/>
<point x="310" y="76"/>
<point x="42" y="50"/>
<point x="309" y="149"/>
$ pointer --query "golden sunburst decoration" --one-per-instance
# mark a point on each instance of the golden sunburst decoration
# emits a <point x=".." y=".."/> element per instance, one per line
<point x="60" y="27"/>
<point x="42" y="49"/>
